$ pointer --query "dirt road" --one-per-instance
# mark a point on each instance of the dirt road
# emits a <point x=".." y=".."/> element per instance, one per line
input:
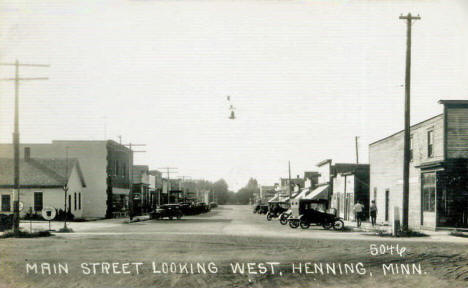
<point x="228" y="247"/>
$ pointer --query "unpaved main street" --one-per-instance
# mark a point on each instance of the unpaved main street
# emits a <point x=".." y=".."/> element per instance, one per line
<point x="210" y="250"/>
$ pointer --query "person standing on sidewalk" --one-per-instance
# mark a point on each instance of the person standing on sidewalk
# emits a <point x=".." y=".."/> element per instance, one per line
<point x="358" y="207"/>
<point x="373" y="212"/>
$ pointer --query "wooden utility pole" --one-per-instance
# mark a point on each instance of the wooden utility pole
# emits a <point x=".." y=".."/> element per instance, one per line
<point x="406" y="154"/>
<point x="130" y="177"/>
<point x="16" y="136"/>
<point x="183" y="186"/>
<point x="357" y="149"/>
<point x="168" y="172"/>
<point x="289" y="168"/>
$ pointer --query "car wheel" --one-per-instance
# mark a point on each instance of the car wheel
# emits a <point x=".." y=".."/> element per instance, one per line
<point x="170" y="217"/>
<point x="269" y="217"/>
<point x="179" y="216"/>
<point x="338" y="225"/>
<point x="326" y="225"/>
<point x="304" y="224"/>
<point x="294" y="223"/>
<point x="284" y="220"/>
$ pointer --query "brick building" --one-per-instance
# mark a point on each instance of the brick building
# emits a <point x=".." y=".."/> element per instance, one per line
<point x="438" y="180"/>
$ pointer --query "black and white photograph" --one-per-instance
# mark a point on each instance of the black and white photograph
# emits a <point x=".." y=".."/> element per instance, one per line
<point x="233" y="143"/>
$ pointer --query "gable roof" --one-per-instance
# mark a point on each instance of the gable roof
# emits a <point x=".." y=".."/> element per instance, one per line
<point x="39" y="172"/>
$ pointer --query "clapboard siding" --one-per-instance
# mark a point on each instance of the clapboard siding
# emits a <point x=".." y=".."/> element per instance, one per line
<point x="457" y="132"/>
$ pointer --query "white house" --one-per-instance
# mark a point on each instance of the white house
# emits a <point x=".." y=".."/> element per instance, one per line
<point x="42" y="183"/>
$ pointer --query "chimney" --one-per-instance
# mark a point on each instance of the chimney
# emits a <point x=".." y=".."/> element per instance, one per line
<point x="27" y="153"/>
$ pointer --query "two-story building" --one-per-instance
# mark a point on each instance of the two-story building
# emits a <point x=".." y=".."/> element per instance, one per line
<point x="438" y="180"/>
<point x="350" y="185"/>
<point x="342" y="185"/>
<point x="140" y="189"/>
<point x="104" y="164"/>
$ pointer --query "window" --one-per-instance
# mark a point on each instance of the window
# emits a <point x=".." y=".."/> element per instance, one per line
<point x="74" y="197"/>
<point x="387" y="204"/>
<point x="6" y="203"/>
<point x="428" y="191"/>
<point x="411" y="148"/>
<point x="38" y="201"/>
<point x="117" y="172"/>
<point x="79" y="201"/>
<point x="430" y="143"/>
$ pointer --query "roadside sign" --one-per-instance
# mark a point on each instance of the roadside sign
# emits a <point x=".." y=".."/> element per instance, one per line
<point x="48" y="213"/>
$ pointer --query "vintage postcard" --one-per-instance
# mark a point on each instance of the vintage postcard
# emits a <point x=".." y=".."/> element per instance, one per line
<point x="233" y="143"/>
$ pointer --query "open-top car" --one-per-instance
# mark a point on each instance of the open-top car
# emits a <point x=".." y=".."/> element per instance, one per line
<point x="167" y="211"/>
<point x="276" y="208"/>
<point x="314" y="212"/>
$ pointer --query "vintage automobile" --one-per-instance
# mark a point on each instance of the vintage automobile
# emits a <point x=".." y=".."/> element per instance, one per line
<point x="275" y="209"/>
<point x="313" y="212"/>
<point x="263" y="209"/>
<point x="167" y="211"/>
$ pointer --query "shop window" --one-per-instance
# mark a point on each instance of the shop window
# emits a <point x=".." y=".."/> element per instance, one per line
<point x="428" y="191"/>
<point x="74" y="198"/>
<point x="430" y="143"/>
<point x="6" y="203"/>
<point x="38" y="201"/>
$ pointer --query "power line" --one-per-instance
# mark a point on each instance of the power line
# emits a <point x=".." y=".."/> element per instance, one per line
<point x="16" y="135"/>
<point x="169" y="172"/>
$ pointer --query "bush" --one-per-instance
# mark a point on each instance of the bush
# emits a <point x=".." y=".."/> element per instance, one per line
<point x="61" y="216"/>
<point x="6" y="222"/>
<point x="32" y="216"/>
<point x="22" y="234"/>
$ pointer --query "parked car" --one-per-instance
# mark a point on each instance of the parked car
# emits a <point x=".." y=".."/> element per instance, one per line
<point x="262" y="209"/>
<point x="313" y="212"/>
<point x="167" y="211"/>
<point x="213" y="205"/>
<point x="275" y="209"/>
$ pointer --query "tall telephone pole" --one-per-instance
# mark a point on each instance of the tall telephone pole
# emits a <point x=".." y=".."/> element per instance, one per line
<point x="357" y="149"/>
<point x="289" y="181"/>
<point x="406" y="154"/>
<point x="183" y="186"/>
<point x="130" y="176"/>
<point x="169" y="172"/>
<point x="16" y="135"/>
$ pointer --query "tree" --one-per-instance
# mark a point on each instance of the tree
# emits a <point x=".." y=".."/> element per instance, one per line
<point x="246" y="193"/>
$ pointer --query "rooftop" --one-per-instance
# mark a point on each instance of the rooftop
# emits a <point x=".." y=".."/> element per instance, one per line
<point x="39" y="172"/>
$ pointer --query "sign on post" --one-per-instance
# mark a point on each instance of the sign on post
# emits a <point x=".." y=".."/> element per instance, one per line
<point x="48" y="213"/>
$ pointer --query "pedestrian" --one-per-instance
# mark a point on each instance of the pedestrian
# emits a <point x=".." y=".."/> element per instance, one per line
<point x="358" y="207"/>
<point x="373" y="212"/>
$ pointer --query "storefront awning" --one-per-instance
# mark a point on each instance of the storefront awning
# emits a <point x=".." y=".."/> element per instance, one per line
<point x="274" y="199"/>
<point x="302" y="194"/>
<point x="320" y="192"/>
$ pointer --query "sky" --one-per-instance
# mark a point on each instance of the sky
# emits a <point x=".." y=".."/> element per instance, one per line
<point x="305" y="77"/>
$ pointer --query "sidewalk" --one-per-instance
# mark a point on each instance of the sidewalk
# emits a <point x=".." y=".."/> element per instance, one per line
<point x="367" y="227"/>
